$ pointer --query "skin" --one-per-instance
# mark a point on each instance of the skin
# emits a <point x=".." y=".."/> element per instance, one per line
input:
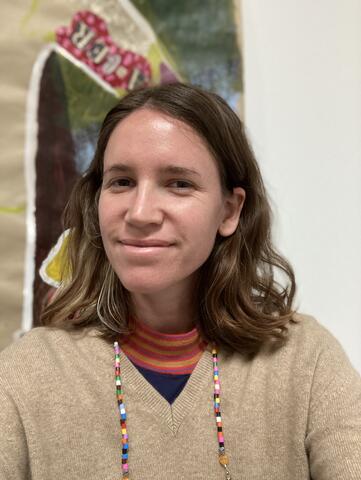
<point x="142" y="199"/>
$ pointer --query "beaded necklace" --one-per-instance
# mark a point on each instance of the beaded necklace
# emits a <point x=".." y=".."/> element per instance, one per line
<point x="222" y="457"/>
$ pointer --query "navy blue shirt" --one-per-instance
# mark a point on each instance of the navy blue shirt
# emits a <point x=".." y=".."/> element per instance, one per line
<point x="168" y="385"/>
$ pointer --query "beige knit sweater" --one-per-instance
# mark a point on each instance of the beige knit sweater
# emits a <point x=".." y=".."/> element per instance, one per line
<point x="294" y="414"/>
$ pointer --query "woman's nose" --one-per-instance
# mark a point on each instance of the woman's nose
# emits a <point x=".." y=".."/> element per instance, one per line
<point x="144" y="207"/>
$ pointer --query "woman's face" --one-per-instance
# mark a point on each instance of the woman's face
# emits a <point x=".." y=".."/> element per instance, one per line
<point x="161" y="203"/>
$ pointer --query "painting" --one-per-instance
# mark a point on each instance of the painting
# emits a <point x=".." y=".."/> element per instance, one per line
<point x="67" y="63"/>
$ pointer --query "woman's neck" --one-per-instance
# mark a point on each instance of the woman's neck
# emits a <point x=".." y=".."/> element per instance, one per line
<point x="165" y="314"/>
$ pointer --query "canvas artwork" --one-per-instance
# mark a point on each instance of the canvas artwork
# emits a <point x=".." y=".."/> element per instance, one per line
<point x="67" y="63"/>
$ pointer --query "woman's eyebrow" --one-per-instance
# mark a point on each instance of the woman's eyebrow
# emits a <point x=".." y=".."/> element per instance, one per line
<point x="118" y="167"/>
<point x="175" y="169"/>
<point x="179" y="170"/>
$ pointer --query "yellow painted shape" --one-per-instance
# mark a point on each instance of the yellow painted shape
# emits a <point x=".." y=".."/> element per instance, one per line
<point x="55" y="266"/>
<point x="155" y="58"/>
<point x="16" y="209"/>
<point x="32" y="9"/>
<point x="156" y="55"/>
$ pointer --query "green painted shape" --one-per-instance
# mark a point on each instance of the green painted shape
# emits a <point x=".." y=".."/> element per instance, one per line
<point x="201" y="36"/>
<point x="87" y="101"/>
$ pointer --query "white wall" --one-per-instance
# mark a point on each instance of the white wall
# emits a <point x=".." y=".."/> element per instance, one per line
<point x="303" y="114"/>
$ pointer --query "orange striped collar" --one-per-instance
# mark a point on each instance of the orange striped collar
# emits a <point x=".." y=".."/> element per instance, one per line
<point x="163" y="352"/>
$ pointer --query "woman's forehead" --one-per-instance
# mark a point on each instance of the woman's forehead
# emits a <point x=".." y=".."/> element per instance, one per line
<point x="145" y="123"/>
<point x="149" y="138"/>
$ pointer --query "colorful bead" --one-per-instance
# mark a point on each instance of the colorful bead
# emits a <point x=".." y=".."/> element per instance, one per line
<point x="122" y="414"/>
<point x="223" y="458"/>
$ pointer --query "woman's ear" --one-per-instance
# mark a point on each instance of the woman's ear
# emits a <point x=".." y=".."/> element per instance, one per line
<point x="233" y="204"/>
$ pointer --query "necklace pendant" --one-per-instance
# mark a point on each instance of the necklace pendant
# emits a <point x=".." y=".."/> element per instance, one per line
<point x="224" y="460"/>
<point x="228" y="473"/>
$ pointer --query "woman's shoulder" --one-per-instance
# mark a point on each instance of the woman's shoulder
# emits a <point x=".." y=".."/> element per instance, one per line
<point x="310" y="367"/>
<point x="306" y="334"/>
<point x="44" y="350"/>
<point x="312" y="350"/>
<point x="34" y="344"/>
<point x="306" y="328"/>
<point x="31" y="345"/>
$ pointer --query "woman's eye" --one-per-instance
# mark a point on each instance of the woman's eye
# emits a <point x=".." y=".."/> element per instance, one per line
<point x="181" y="184"/>
<point x="120" y="182"/>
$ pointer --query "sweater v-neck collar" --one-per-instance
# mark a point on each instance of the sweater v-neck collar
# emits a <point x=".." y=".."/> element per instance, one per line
<point x="172" y="414"/>
<point x="133" y="381"/>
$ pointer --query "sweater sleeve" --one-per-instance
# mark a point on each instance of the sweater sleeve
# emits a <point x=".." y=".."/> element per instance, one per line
<point x="333" y="439"/>
<point x="13" y="446"/>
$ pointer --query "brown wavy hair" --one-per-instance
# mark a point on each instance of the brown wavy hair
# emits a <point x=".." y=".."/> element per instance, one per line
<point x="241" y="305"/>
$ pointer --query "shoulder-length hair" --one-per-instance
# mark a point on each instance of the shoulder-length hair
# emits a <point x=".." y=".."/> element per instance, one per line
<point x="241" y="306"/>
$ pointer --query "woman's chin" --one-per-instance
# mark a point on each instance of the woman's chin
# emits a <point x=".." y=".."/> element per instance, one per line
<point x="158" y="283"/>
<point x="159" y="288"/>
<point x="143" y="287"/>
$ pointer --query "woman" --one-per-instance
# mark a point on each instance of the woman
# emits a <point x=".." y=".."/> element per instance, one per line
<point x="170" y="259"/>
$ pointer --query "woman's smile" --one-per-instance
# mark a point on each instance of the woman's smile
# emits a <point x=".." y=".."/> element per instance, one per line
<point x="144" y="250"/>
